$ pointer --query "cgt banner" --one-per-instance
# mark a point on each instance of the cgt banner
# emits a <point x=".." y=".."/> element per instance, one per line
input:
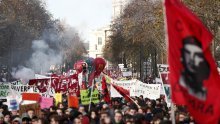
<point x="85" y="96"/>
<point x="68" y="85"/>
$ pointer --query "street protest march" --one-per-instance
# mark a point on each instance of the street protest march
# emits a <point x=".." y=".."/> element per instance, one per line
<point x="36" y="92"/>
<point x="110" y="62"/>
<point x="46" y="92"/>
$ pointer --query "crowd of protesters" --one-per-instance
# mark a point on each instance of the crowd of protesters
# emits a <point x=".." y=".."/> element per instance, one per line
<point x="119" y="111"/>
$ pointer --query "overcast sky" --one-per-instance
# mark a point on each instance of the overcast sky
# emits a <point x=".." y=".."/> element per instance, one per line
<point x="84" y="15"/>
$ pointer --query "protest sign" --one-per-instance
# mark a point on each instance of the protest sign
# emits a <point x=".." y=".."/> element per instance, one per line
<point x="73" y="101"/>
<point x="46" y="102"/>
<point x="127" y="84"/>
<point x="126" y="73"/>
<point x="85" y="96"/>
<point x="31" y="96"/>
<point x="34" y="106"/>
<point x="58" y="98"/>
<point x="4" y="90"/>
<point x="164" y="74"/>
<point x="13" y="104"/>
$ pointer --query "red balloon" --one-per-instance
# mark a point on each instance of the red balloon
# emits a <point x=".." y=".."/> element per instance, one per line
<point x="99" y="64"/>
<point x="78" y="66"/>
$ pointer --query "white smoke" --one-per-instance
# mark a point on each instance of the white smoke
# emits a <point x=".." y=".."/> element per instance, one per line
<point x="43" y="57"/>
<point x="23" y="73"/>
<point x="40" y="61"/>
<point x="49" y="52"/>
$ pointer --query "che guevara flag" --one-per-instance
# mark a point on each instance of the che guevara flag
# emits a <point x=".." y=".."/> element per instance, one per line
<point x="193" y="73"/>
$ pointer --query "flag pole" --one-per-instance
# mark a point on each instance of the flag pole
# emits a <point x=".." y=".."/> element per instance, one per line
<point x="48" y="88"/>
<point x="166" y="39"/>
<point x="131" y="99"/>
<point x="135" y="102"/>
<point x="91" y="95"/>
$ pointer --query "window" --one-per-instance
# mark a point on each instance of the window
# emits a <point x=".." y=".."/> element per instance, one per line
<point x="99" y="40"/>
<point x="98" y="55"/>
<point x="96" y="47"/>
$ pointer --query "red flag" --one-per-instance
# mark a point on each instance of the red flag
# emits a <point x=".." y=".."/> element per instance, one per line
<point x="106" y="95"/>
<point x="125" y="93"/>
<point x="193" y="73"/>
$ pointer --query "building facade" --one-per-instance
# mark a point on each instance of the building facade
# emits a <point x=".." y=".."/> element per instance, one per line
<point x="117" y="7"/>
<point x="97" y="42"/>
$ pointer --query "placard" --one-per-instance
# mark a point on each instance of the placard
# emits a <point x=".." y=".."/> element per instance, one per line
<point x="85" y="96"/>
<point x="46" y="102"/>
<point x="73" y="101"/>
<point x="58" y="98"/>
<point x="31" y="96"/>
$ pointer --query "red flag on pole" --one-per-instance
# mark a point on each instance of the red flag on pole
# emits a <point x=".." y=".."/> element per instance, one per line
<point x="106" y="95"/>
<point x="125" y="93"/>
<point x="193" y="73"/>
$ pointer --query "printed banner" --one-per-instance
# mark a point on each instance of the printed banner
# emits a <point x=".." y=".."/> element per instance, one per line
<point x="85" y="96"/>
<point x="18" y="88"/>
<point x="4" y="90"/>
<point x="59" y="84"/>
<point x="159" y="81"/>
<point x="128" y="84"/>
<point x="151" y="91"/>
<point x="73" y="85"/>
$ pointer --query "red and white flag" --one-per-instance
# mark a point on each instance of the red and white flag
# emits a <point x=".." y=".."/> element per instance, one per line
<point x="193" y="75"/>
<point x="105" y="93"/>
<point x="125" y="93"/>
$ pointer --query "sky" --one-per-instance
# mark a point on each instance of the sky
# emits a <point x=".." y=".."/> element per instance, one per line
<point x="84" y="15"/>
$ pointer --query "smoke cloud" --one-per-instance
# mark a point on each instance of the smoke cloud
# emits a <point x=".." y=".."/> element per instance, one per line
<point x="43" y="57"/>
<point x="54" y="47"/>
<point x="23" y="73"/>
<point x="40" y="61"/>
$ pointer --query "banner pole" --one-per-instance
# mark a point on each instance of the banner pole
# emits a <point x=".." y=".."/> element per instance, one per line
<point x="49" y="86"/>
<point x="135" y="102"/>
<point x="166" y="39"/>
<point x="172" y="114"/>
<point x="91" y="94"/>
